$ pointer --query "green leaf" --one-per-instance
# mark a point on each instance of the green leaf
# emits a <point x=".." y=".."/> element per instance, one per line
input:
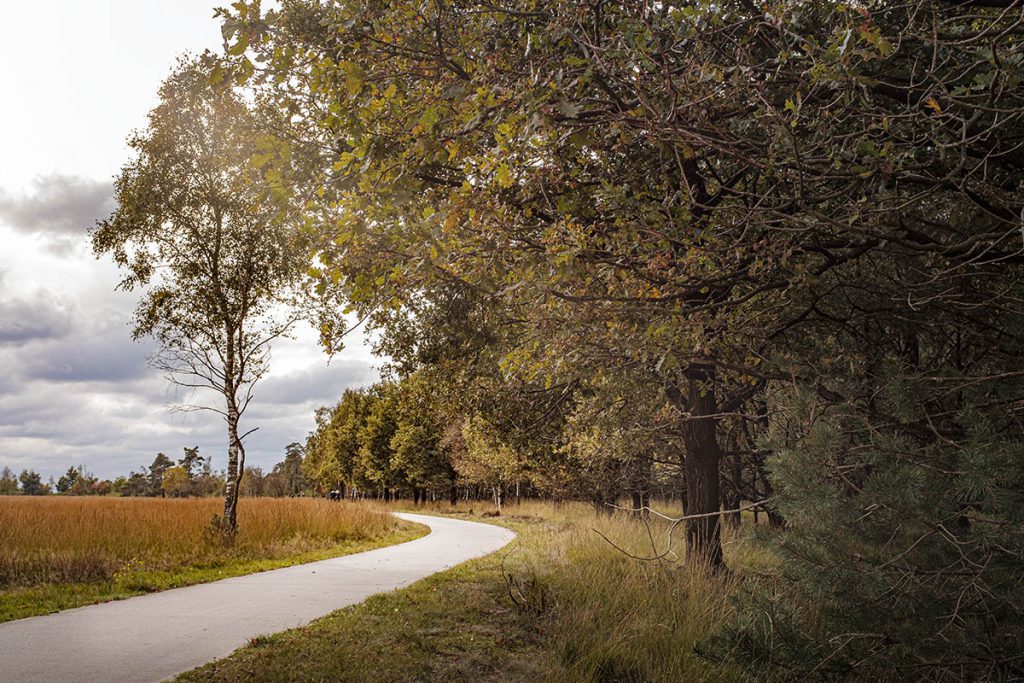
<point x="239" y="47"/>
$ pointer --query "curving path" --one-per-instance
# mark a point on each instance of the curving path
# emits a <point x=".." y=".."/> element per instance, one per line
<point x="153" y="637"/>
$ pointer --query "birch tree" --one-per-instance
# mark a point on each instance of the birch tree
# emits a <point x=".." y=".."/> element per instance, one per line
<point x="200" y="229"/>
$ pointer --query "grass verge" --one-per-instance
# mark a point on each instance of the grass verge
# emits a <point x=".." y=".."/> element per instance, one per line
<point x="558" y="604"/>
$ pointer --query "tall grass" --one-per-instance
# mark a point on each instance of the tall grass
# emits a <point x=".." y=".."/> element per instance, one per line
<point x="618" y="618"/>
<point x="560" y="603"/>
<point x="605" y="609"/>
<point x="624" y="606"/>
<point x="55" y="540"/>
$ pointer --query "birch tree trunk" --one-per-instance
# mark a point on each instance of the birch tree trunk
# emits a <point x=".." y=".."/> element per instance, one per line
<point x="235" y="459"/>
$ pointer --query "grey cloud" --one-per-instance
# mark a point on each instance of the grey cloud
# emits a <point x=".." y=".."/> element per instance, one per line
<point x="317" y="384"/>
<point x="58" y="206"/>
<point x="75" y="389"/>
<point x="115" y="426"/>
<point x="7" y="382"/>
<point x="49" y="430"/>
<point x="88" y="397"/>
<point x="88" y="361"/>
<point x="111" y="428"/>
<point x="42" y="316"/>
<point x="99" y="350"/>
<point x="45" y="412"/>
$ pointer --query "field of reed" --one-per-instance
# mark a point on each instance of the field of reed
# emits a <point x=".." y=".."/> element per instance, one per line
<point x="68" y="540"/>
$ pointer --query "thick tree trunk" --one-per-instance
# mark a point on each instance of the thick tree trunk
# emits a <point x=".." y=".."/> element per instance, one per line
<point x="703" y="495"/>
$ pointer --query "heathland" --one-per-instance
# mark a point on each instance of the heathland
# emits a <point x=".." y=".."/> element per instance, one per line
<point x="60" y="552"/>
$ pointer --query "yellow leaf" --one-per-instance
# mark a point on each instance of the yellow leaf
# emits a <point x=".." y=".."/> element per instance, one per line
<point x="504" y="176"/>
<point x="353" y="77"/>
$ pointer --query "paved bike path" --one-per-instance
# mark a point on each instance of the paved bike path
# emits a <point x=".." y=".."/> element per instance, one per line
<point x="153" y="637"/>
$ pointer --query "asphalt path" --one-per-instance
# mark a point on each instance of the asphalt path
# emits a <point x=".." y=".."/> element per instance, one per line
<point x="156" y="636"/>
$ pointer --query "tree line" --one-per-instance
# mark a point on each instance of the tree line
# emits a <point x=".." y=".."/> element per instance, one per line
<point x="777" y="245"/>
<point x="409" y="437"/>
<point x="191" y="476"/>
<point x="395" y="440"/>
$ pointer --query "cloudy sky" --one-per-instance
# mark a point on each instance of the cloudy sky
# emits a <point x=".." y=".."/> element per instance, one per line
<point x="77" y="78"/>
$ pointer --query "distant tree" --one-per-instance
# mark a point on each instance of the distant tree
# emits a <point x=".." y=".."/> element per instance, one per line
<point x="208" y="482"/>
<point x="102" y="487"/>
<point x="192" y="462"/>
<point x="332" y="459"/>
<point x="84" y="485"/>
<point x="67" y="480"/>
<point x="320" y="465"/>
<point x="32" y="484"/>
<point x="416" y="444"/>
<point x="176" y="482"/>
<point x="376" y="455"/>
<point x="486" y="460"/>
<point x="135" y="484"/>
<point x="290" y="469"/>
<point x="161" y="463"/>
<point x="253" y="482"/>
<point x="275" y="483"/>
<point x="198" y="226"/>
<point x="8" y="482"/>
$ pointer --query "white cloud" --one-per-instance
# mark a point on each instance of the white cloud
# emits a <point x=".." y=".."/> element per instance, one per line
<point x="73" y="108"/>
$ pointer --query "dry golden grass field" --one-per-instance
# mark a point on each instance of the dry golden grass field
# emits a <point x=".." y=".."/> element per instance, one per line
<point x="57" y="552"/>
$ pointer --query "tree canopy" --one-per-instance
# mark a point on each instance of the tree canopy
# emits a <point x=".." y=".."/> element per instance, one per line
<point x="776" y="247"/>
